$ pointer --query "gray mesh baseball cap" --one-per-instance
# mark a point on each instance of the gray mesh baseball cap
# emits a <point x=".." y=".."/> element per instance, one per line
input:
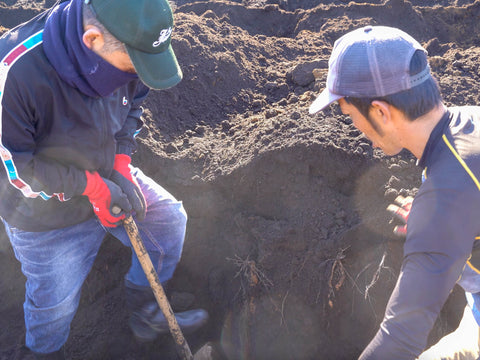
<point x="369" y="62"/>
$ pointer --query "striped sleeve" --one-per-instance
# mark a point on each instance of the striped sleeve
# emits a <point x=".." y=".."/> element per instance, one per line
<point x="7" y="158"/>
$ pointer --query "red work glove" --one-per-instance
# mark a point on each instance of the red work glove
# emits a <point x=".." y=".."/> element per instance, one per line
<point x="103" y="195"/>
<point x="402" y="213"/>
<point x="122" y="176"/>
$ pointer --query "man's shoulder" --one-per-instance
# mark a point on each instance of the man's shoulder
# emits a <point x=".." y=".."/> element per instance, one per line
<point x="22" y="59"/>
<point x="454" y="161"/>
<point x="22" y="37"/>
<point x="25" y="66"/>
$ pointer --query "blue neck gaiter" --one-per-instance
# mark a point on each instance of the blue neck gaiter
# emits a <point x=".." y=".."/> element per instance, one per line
<point x="76" y="64"/>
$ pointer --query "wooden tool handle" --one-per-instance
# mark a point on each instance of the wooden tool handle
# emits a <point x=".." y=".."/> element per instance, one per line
<point x="182" y="346"/>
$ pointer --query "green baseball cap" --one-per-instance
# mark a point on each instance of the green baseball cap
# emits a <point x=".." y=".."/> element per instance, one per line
<point x="145" y="27"/>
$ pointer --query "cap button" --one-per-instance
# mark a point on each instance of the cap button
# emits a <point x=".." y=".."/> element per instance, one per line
<point x="368" y="28"/>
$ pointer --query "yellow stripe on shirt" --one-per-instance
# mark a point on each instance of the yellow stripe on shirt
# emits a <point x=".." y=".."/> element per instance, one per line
<point x="460" y="160"/>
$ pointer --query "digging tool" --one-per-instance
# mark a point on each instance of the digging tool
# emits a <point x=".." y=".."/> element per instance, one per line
<point x="182" y="346"/>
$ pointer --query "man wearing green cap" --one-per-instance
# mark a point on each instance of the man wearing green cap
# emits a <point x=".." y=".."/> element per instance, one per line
<point x="71" y="84"/>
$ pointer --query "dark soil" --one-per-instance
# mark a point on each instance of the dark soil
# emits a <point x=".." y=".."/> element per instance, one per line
<point x="288" y="246"/>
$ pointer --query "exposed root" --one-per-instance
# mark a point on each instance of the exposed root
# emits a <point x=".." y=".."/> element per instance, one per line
<point x="337" y="276"/>
<point x="280" y="308"/>
<point x="376" y="275"/>
<point x="375" y="278"/>
<point x="250" y="278"/>
<point x="282" y="321"/>
<point x="250" y="275"/>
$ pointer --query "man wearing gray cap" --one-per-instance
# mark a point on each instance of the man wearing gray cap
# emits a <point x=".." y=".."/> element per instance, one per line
<point x="72" y="82"/>
<point x="380" y="77"/>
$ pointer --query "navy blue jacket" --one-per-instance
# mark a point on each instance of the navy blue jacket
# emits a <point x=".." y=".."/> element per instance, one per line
<point x="51" y="133"/>
<point x="442" y="233"/>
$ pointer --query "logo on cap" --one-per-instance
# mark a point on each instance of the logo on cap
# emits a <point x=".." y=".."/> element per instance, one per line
<point x="164" y="35"/>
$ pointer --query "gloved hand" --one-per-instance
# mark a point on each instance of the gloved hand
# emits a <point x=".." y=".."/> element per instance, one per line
<point x="402" y="213"/>
<point x="103" y="194"/>
<point x="122" y="176"/>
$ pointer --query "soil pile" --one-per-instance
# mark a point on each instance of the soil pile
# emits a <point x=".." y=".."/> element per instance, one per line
<point x="288" y="246"/>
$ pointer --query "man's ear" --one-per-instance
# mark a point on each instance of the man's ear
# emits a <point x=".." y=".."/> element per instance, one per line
<point x="93" y="38"/>
<point x="381" y="110"/>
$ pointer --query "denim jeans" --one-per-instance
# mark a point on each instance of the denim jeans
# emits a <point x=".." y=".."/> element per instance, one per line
<point x="57" y="262"/>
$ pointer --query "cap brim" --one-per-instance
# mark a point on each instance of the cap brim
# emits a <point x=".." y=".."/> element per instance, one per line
<point x="323" y="100"/>
<point x="157" y="71"/>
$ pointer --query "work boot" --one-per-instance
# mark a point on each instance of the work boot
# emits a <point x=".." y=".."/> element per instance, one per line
<point x="147" y="320"/>
<point x="57" y="355"/>
<point x="24" y="353"/>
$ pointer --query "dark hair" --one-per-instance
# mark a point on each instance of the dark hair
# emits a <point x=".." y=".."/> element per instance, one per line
<point x="414" y="102"/>
<point x="111" y="42"/>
